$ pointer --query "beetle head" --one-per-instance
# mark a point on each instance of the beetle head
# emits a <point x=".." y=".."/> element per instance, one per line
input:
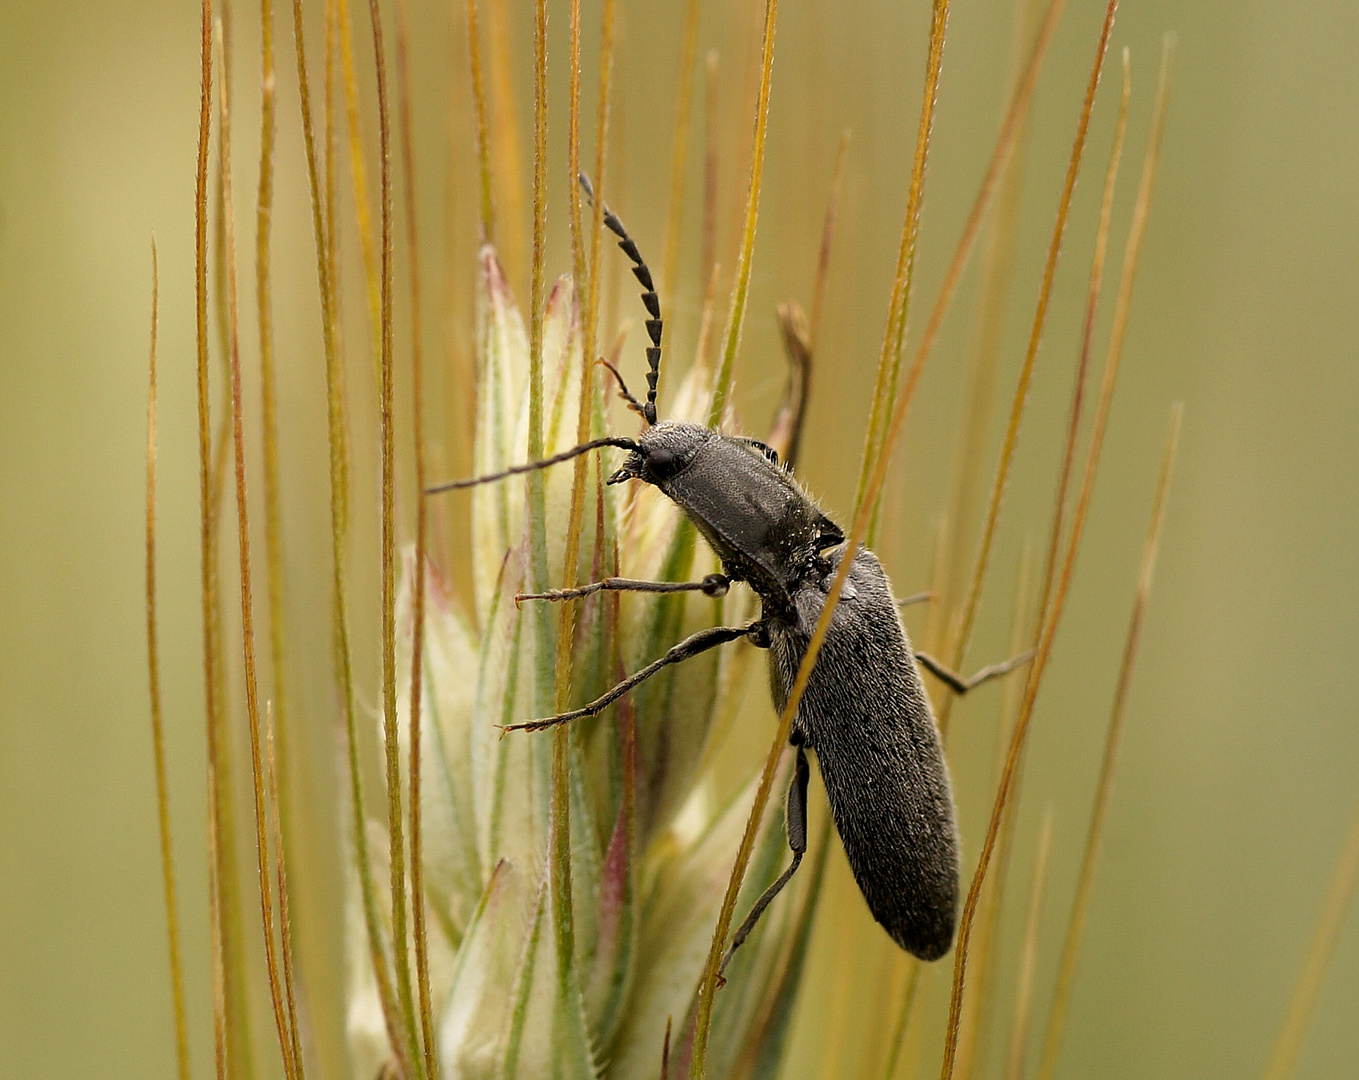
<point x="662" y="452"/>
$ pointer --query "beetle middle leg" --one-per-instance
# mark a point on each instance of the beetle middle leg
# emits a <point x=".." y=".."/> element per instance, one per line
<point x="960" y="685"/>
<point x="690" y="647"/>
<point x="796" y="818"/>
<point x="711" y="585"/>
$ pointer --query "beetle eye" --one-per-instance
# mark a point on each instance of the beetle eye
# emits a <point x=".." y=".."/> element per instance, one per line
<point x="662" y="465"/>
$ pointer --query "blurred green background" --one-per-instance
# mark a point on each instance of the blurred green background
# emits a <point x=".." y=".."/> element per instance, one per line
<point x="1238" y="779"/>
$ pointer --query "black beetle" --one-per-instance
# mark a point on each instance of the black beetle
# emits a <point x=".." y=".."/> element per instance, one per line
<point x="864" y="712"/>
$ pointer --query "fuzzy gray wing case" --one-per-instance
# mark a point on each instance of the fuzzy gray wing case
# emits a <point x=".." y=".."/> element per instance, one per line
<point x="866" y="715"/>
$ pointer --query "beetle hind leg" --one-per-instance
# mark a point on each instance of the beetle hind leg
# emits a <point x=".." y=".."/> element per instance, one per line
<point x="796" y="818"/>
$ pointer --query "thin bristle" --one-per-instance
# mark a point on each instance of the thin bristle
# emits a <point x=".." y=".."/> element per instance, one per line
<point x="995" y="287"/>
<point x="1028" y="955"/>
<point x="216" y="913"/>
<point x="1021" y="395"/>
<point x="889" y="360"/>
<point x="482" y="128"/>
<point x="684" y="100"/>
<point x="736" y="310"/>
<point x="1012" y="127"/>
<point x="1099" y="815"/>
<point x="1052" y="617"/>
<point x="247" y="613"/>
<point x="721" y="389"/>
<point x="157" y="721"/>
<point x="372" y="272"/>
<point x="281" y="883"/>
<point x="274" y="578"/>
<point x="273" y="542"/>
<point x="1087" y="335"/>
<point x="417" y="886"/>
<point x="1330" y="925"/>
<point x="320" y="176"/>
<point x="413" y="1057"/>
<point x="507" y="171"/>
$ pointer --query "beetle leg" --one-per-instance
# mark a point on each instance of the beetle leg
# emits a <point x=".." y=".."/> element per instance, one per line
<point x="712" y="585"/>
<point x="623" y="391"/>
<point x="796" y="819"/>
<point x="689" y="647"/>
<point x="960" y="685"/>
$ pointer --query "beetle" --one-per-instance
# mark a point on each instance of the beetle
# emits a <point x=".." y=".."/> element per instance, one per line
<point x="865" y="713"/>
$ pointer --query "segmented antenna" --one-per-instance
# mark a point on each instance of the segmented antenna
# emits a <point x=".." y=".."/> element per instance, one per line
<point x="623" y="391"/>
<point x="649" y="298"/>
